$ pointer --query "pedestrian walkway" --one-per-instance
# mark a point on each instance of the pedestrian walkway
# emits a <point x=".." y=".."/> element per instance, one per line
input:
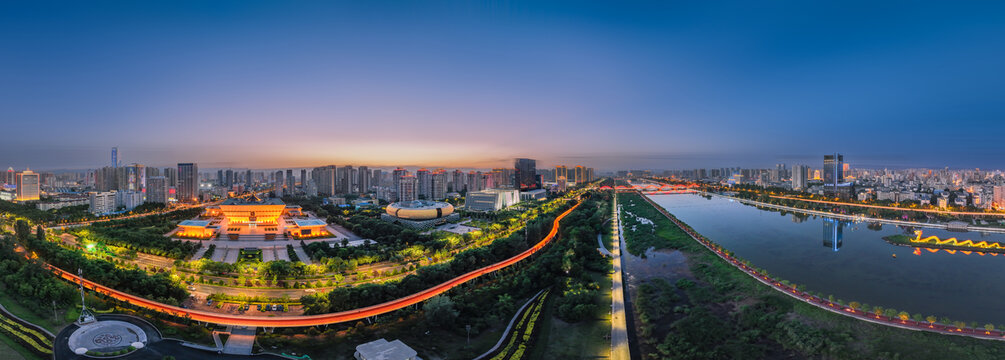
<point x="282" y="254"/>
<point x="241" y="341"/>
<point x="199" y="253"/>
<point x="619" y="321"/>
<point x="232" y="255"/>
<point x="302" y="254"/>
<point x="602" y="247"/>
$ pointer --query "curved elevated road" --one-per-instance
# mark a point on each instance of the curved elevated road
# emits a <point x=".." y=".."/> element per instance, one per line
<point x="312" y="320"/>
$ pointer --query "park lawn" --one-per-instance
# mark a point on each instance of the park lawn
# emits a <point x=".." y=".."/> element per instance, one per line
<point x="20" y="311"/>
<point x="9" y="350"/>
<point x="584" y="340"/>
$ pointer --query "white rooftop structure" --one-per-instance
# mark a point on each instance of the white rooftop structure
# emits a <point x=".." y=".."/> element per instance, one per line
<point x="385" y="350"/>
<point x="491" y="199"/>
<point x="199" y="223"/>
<point x="309" y="222"/>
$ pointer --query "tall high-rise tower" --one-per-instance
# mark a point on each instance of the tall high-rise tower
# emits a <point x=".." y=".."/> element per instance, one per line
<point x="115" y="156"/>
<point x="27" y="186"/>
<point x="833" y="169"/>
<point x="188" y="183"/>
<point x="525" y="176"/>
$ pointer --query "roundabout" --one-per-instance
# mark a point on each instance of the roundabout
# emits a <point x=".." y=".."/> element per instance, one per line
<point x="106" y="338"/>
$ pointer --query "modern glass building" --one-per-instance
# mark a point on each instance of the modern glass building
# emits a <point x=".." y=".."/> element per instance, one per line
<point x="188" y="182"/>
<point x="833" y="169"/>
<point x="525" y="177"/>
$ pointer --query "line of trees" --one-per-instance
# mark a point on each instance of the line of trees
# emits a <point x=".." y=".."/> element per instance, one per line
<point x="157" y="287"/>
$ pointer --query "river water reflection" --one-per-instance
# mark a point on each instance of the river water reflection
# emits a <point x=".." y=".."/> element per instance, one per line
<point x="851" y="260"/>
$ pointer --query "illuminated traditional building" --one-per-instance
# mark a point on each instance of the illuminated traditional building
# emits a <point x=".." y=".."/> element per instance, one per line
<point x="253" y="211"/>
<point x="200" y="229"/>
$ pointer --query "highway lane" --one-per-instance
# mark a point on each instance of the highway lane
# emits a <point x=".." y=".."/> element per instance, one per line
<point x="322" y="319"/>
<point x="619" y="324"/>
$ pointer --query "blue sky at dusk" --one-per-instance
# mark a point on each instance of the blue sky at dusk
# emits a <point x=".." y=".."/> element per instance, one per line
<point x="621" y="84"/>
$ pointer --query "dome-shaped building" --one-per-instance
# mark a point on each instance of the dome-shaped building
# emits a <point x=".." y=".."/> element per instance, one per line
<point x="419" y="214"/>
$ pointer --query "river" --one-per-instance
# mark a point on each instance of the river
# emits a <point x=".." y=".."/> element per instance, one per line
<point x="852" y="261"/>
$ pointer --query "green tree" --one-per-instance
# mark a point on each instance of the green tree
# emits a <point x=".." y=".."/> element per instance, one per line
<point x="440" y="311"/>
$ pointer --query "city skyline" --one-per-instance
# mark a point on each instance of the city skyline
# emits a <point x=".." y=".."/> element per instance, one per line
<point x="608" y="86"/>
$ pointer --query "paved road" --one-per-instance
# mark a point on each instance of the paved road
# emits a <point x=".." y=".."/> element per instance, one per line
<point x="619" y="322"/>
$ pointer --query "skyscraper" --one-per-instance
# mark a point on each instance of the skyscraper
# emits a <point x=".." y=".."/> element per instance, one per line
<point x="475" y="182"/>
<point x="324" y="178"/>
<point x="220" y="180"/>
<point x="833" y="176"/>
<point x="157" y="190"/>
<point x="458" y="184"/>
<point x="377" y="178"/>
<point x="229" y="176"/>
<point x="579" y="175"/>
<point x="439" y="184"/>
<point x="172" y="176"/>
<point x="396" y="180"/>
<point x="188" y="183"/>
<point x="561" y="172"/>
<point x="833" y="169"/>
<point x="799" y="177"/>
<point x="115" y="157"/>
<point x="425" y="184"/>
<point x="406" y="188"/>
<point x="363" y="179"/>
<point x="525" y="176"/>
<point x="303" y="179"/>
<point x="290" y="181"/>
<point x="10" y="178"/>
<point x="345" y="179"/>
<point x="247" y="179"/>
<point x="27" y="186"/>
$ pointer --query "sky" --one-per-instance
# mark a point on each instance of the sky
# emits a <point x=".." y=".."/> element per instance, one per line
<point x="613" y="85"/>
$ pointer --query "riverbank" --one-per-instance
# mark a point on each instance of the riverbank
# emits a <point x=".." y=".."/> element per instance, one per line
<point x="795" y="321"/>
<point x="855" y="218"/>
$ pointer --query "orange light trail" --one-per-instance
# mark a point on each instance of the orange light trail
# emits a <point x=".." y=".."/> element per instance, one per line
<point x="313" y="320"/>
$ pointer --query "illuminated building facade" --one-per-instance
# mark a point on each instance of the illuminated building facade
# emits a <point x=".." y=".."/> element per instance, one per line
<point x="254" y="211"/>
<point x="419" y="214"/>
<point x="525" y="176"/>
<point x="27" y="186"/>
<point x="834" y="184"/>
<point x="199" y="229"/>
<point x="101" y="202"/>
